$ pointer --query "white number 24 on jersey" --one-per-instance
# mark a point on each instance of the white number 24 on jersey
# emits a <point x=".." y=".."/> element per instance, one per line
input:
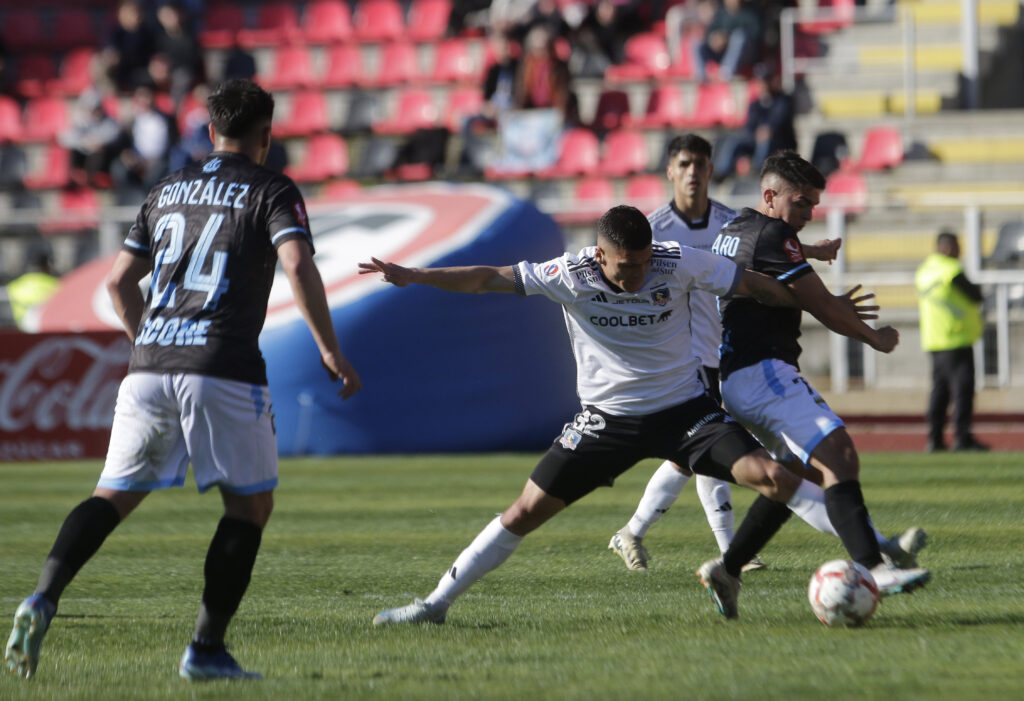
<point x="212" y="283"/>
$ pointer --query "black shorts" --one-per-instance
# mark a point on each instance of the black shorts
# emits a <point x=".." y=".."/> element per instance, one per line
<point x="597" y="447"/>
<point x="712" y="384"/>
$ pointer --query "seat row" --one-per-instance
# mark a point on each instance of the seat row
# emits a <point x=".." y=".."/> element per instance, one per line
<point x="323" y="22"/>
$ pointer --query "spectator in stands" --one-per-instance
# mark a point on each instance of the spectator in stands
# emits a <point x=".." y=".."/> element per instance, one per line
<point x="6" y="76"/>
<point x="13" y="166"/>
<point x="34" y="287"/>
<point x="179" y="47"/>
<point x="92" y="139"/>
<point x="769" y="127"/>
<point x="461" y="12"/>
<point x="145" y="159"/>
<point x="238" y="64"/>
<point x="499" y="96"/>
<point x="732" y="40"/>
<point x="601" y="35"/>
<point x="543" y="78"/>
<point x="546" y="14"/>
<point x="950" y="309"/>
<point x="194" y="144"/>
<point x="129" y="48"/>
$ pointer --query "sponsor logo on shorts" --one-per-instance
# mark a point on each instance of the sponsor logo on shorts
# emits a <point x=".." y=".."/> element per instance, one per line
<point x="551" y="269"/>
<point x="792" y="248"/>
<point x="714" y="416"/>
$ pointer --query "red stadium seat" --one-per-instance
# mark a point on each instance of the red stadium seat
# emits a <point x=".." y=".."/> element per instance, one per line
<point x="44" y="118"/>
<point x="883" y="148"/>
<point x="78" y="208"/>
<point x="453" y="63"/>
<point x="75" y="73"/>
<point x="578" y="155"/>
<point x="612" y="109"/>
<point x="462" y="103"/>
<point x="398" y="63"/>
<point x="625" y="153"/>
<point x="842" y="12"/>
<point x="414" y="109"/>
<point x="307" y="115"/>
<point x="326" y="157"/>
<point x="221" y="24"/>
<point x="592" y="197"/>
<point x="379" y="20"/>
<point x="54" y="170"/>
<point x="344" y="66"/>
<point x="846" y="190"/>
<point x="647" y="192"/>
<point x="715" y="106"/>
<point x="428" y="19"/>
<point x="73" y="28"/>
<point x="35" y="71"/>
<point x="665" y="108"/>
<point x="326" y="22"/>
<point x="646" y="57"/>
<point x="292" y="68"/>
<point x="23" y="30"/>
<point x="10" y="119"/>
<point x="682" y="62"/>
<point x="276" y="24"/>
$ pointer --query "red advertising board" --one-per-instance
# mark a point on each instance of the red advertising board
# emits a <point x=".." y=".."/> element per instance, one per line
<point x="57" y="393"/>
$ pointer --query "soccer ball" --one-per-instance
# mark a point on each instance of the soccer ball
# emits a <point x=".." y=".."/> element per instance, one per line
<point x="842" y="593"/>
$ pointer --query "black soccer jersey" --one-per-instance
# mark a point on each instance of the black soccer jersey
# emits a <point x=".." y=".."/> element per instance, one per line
<point x="752" y="331"/>
<point x="211" y="232"/>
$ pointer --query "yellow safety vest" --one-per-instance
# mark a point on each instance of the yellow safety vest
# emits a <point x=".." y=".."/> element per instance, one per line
<point x="948" y="318"/>
<point x="29" y="290"/>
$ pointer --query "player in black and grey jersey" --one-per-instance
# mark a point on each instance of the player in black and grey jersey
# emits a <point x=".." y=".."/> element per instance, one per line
<point x="626" y="307"/>
<point x="196" y="389"/>
<point x="762" y="386"/>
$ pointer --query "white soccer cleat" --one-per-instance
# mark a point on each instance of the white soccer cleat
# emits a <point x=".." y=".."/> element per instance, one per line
<point x="901" y="550"/>
<point x="755" y="564"/>
<point x="630" y="549"/>
<point x="893" y="580"/>
<point x="722" y="586"/>
<point x="419" y="611"/>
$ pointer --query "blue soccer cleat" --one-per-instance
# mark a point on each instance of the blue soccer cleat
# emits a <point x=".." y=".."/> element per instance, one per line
<point x="198" y="666"/>
<point x="31" y="621"/>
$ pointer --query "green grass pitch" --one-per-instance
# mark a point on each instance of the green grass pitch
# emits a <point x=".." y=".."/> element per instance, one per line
<point x="562" y="619"/>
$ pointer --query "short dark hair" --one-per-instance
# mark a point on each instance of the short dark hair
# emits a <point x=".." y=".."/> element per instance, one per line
<point x="789" y="166"/>
<point x="946" y="239"/>
<point x="626" y="227"/>
<point x="688" y="142"/>
<point x="237" y="106"/>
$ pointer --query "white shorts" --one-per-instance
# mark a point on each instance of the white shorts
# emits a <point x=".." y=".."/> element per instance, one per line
<point x="780" y="408"/>
<point x="162" y="421"/>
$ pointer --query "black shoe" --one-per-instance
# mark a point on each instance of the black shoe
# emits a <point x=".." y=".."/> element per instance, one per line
<point x="936" y="447"/>
<point x="970" y="445"/>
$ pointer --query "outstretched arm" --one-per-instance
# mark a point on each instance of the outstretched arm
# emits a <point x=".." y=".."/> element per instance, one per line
<point x="308" y="289"/>
<point x="826" y="249"/>
<point x="840" y="314"/>
<point x="475" y="279"/>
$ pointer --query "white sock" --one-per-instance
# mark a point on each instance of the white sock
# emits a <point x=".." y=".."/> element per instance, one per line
<point x="716" y="496"/>
<point x="809" y="504"/>
<point x="661" y="493"/>
<point x="488" y="550"/>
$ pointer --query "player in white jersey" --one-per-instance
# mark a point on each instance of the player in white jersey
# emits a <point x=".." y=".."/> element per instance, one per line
<point x="692" y="219"/>
<point x="626" y="308"/>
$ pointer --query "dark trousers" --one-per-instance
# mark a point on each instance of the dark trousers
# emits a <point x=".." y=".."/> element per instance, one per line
<point x="952" y="378"/>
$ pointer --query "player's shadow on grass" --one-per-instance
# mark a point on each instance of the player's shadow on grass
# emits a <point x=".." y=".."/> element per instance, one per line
<point x="914" y="622"/>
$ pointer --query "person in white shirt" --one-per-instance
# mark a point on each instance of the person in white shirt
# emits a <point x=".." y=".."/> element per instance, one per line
<point x="626" y="306"/>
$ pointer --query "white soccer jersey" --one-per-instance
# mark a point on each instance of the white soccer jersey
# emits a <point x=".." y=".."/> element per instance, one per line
<point x="669" y="224"/>
<point x="632" y="349"/>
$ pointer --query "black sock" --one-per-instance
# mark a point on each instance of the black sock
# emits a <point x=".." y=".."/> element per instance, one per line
<point x="763" y="520"/>
<point x="844" y="503"/>
<point x="229" y="563"/>
<point x="82" y="534"/>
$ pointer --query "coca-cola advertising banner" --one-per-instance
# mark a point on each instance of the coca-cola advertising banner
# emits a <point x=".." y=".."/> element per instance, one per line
<point x="57" y="393"/>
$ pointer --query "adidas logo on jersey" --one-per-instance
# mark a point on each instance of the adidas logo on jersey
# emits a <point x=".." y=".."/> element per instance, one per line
<point x="599" y="297"/>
